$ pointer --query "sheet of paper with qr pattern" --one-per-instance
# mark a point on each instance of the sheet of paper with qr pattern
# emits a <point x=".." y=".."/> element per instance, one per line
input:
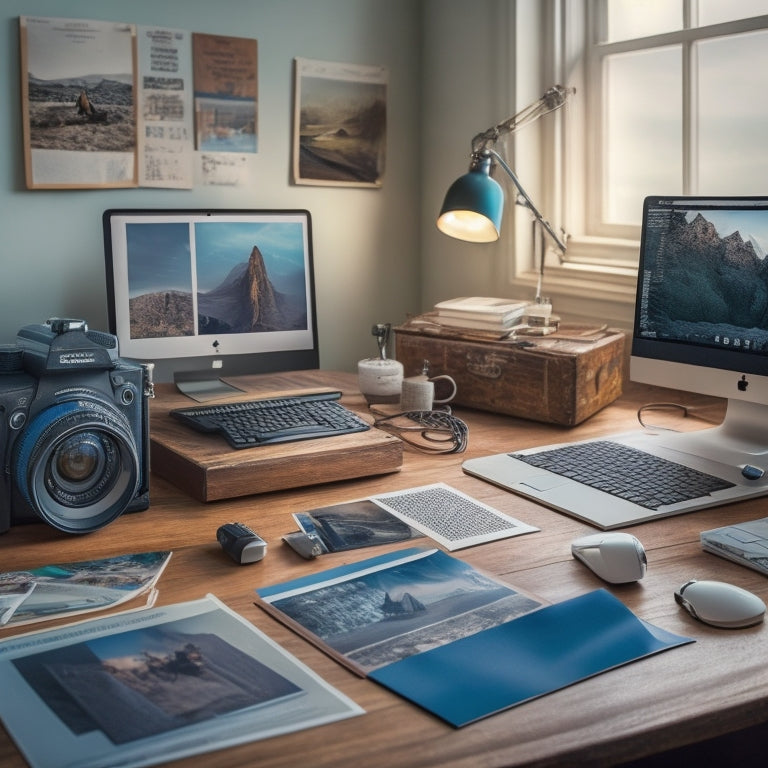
<point x="450" y="517"/>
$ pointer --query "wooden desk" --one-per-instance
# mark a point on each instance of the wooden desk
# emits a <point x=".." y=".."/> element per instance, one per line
<point x="711" y="687"/>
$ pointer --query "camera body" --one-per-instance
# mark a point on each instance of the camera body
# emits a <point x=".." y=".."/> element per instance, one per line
<point x="74" y="428"/>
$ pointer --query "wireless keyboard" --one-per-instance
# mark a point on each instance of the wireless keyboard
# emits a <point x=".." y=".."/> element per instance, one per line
<point x="273" y="420"/>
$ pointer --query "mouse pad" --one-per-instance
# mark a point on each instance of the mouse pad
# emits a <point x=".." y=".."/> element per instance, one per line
<point x="533" y="655"/>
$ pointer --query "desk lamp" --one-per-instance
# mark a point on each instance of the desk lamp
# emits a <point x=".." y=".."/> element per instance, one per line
<point x="474" y="203"/>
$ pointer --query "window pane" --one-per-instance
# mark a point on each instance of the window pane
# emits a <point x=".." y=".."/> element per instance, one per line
<point x="643" y="131"/>
<point x="628" y="19"/>
<point x="717" y="11"/>
<point x="733" y="81"/>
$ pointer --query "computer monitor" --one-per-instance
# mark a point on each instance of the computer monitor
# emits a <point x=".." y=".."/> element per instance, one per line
<point x="207" y="294"/>
<point x="701" y="315"/>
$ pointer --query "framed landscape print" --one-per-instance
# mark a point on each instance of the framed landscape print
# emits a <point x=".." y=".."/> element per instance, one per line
<point x="340" y="113"/>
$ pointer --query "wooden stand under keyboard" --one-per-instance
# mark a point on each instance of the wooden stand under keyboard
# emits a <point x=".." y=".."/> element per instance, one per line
<point x="208" y="469"/>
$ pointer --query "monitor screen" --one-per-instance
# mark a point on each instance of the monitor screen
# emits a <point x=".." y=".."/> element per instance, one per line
<point x="701" y="313"/>
<point x="206" y="294"/>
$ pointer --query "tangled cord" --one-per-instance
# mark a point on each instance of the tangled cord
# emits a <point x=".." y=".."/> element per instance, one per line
<point x="430" y="431"/>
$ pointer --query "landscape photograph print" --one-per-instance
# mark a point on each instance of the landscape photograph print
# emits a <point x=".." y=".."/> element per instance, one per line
<point x="709" y="279"/>
<point x="148" y="681"/>
<point x="78" y="95"/>
<point x="381" y="615"/>
<point x="223" y="277"/>
<point x="340" y="121"/>
<point x="226" y="93"/>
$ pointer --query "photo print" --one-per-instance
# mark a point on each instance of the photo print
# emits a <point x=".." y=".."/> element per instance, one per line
<point x="340" y="122"/>
<point x="78" y="102"/>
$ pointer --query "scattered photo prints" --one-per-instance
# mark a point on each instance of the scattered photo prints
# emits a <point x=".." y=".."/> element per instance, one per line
<point x="450" y="517"/>
<point x="352" y="525"/>
<point x="65" y="589"/>
<point x="382" y="610"/>
<point x="141" y="688"/>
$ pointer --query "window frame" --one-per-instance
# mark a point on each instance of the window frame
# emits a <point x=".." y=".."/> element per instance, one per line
<point x="597" y="51"/>
<point x="600" y="264"/>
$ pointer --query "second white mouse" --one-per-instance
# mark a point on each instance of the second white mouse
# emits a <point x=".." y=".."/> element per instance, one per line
<point x="720" y="604"/>
<point x="617" y="558"/>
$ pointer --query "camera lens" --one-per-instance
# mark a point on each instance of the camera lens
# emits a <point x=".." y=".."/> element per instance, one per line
<point x="77" y="461"/>
<point x="77" y="465"/>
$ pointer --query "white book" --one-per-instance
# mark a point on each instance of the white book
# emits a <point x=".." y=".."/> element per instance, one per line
<point x="494" y="326"/>
<point x="483" y="308"/>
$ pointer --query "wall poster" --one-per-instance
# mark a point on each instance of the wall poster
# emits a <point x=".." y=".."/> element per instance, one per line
<point x="226" y="93"/>
<point x="108" y="104"/>
<point x="78" y="86"/>
<point x="339" y="122"/>
<point x="166" y="118"/>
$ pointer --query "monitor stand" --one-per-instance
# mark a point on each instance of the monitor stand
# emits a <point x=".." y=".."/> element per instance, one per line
<point x="741" y="439"/>
<point x="200" y="386"/>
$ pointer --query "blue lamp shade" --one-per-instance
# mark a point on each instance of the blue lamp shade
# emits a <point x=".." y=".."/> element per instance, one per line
<point x="473" y="206"/>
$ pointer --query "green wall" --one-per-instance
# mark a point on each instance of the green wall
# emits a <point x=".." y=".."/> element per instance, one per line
<point x="367" y="254"/>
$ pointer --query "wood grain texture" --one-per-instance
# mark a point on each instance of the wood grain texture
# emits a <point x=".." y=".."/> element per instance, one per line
<point x="713" y="686"/>
<point x="556" y="380"/>
<point x="209" y="470"/>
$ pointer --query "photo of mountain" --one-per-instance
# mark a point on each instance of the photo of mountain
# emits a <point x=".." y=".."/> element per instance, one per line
<point x="377" y="617"/>
<point x="217" y="278"/>
<point x="708" y="287"/>
<point x="247" y="301"/>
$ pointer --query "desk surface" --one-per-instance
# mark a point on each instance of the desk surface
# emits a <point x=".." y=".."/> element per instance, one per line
<point x="711" y="687"/>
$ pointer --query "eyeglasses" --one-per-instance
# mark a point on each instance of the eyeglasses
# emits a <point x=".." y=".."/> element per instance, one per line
<point x="671" y="414"/>
<point x="430" y="431"/>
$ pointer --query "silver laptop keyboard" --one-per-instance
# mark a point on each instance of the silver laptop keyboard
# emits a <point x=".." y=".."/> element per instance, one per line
<point x="626" y="472"/>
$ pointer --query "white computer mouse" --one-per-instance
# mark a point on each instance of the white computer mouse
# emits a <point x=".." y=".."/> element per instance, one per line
<point x="618" y="558"/>
<point x="720" y="604"/>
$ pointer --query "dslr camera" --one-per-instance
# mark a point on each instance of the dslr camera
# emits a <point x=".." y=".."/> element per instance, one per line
<point x="74" y="428"/>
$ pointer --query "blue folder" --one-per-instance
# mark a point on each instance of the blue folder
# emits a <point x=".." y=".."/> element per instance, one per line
<point x="506" y="665"/>
<point x="528" y="657"/>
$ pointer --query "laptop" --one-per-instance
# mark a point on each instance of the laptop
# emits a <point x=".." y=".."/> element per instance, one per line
<point x="685" y="242"/>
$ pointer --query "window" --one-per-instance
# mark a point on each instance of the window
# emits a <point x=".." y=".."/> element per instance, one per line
<point x="670" y="99"/>
<point x="673" y="103"/>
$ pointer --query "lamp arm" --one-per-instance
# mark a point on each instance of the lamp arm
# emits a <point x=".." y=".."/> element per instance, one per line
<point x="544" y="223"/>
<point x="553" y="99"/>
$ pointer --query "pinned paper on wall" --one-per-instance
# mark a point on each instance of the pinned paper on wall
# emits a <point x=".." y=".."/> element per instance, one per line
<point x="111" y="104"/>
<point x="78" y="92"/>
<point x="340" y="124"/>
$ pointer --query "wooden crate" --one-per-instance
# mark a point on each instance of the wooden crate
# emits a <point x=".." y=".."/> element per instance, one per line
<point x="561" y="379"/>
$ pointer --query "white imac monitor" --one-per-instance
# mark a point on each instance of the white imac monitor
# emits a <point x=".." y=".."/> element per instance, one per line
<point x="209" y="294"/>
<point x="701" y="315"/>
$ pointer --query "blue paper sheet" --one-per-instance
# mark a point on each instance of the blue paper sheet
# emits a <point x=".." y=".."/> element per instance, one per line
<point x="533" y="655"/>
<point x="470" y="677"/>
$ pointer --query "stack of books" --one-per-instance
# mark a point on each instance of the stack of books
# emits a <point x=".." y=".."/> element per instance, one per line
<point x="481" y="313"/>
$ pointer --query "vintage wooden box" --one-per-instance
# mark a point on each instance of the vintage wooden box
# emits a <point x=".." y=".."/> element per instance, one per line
<point x="562" y="379"/>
